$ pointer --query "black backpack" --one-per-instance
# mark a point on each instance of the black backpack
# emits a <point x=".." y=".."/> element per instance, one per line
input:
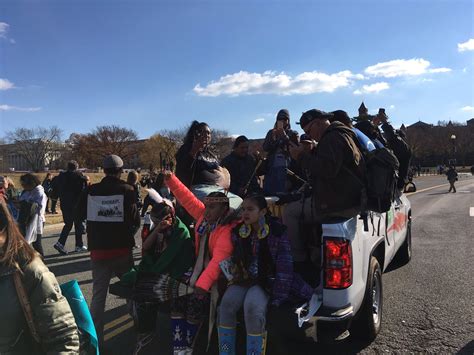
<point x="382" y="175"/>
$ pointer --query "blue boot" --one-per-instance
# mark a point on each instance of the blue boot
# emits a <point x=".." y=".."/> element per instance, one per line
<point x="226" y="340"/>
<point x="256" y="344"/>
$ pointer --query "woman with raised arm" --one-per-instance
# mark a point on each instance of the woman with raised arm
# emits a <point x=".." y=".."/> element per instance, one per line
<point x="214" y="222"/>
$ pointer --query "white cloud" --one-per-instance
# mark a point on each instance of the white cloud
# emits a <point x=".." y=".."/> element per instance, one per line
<point x="16" y="108"/>
<point x="259" y="120"/>
<point x="269" y="82"/>
<point x="372" y="88"/>
<point x="4" y="29"/>
<point x="5" y="84"/>
<point x="392" y="107"/>
<point x="467" y="108"/>
<point x="403" y="67"/>
<point x="466" y="46"/>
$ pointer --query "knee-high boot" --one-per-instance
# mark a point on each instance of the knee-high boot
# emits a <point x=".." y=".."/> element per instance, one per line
<point x="226" y="340"/>
<point x="256" y="344"/>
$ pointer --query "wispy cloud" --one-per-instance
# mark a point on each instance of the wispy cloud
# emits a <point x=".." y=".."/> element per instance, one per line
<point x="259" y="120"/>
<point x="4" y="27"/>
<point x="392" y="107"/>
<point x="403" y="67"/>
<point x="270" y="82"/>
<point x="16" y="108"/>
<point x="466" y="46"/>
<point x="372" y="88"/>
<point x="467" y="109"/>
<point x="6" y="84"/>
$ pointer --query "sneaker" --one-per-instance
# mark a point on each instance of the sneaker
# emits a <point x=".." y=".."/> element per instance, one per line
<point x="82" y="249"/>
<point x="60" y="248"/>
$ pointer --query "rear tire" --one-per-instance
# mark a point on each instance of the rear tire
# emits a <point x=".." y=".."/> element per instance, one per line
<point x="368" y="321"/>
<point x="404" y="253"/>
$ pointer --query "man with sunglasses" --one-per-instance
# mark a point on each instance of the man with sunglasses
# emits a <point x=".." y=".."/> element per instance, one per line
<point x="336" y="174"/>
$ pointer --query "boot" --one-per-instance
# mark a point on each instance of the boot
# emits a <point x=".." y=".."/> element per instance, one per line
<point x="256" y="344"/>
<point x="178" y="331"/>
<point x="226" y="340"/>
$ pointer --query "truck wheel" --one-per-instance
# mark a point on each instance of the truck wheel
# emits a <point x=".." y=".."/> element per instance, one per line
<point x="368" y="321"/>
<point x="404" y="253"/>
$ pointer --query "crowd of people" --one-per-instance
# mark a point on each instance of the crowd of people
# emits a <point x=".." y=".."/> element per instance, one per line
<point x="213" y="235"/>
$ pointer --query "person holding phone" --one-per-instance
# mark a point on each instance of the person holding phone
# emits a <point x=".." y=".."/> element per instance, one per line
<point x="276" y="145"/>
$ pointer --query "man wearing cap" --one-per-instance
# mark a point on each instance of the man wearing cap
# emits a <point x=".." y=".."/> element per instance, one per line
<point x="70" y="185"/>
<point x="111" y="211"/>
<point x="336" y="171"/>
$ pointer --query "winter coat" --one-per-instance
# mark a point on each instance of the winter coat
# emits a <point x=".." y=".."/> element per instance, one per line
<point x="275" y="264"/>
<point x="241" y="170"/>
<point x="35" y="226"/>
<point x="175" y="260"/>
<point x="52" y="315"/>
<point x="337" y="172"/>
<point x="112" y="214"/>
<point x="452" y="175"/>
<point x="69" y="185"/>
<point x="220" y="244"/>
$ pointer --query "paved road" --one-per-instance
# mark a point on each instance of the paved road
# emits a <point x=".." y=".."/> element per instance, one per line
<point x="428" y="304"/>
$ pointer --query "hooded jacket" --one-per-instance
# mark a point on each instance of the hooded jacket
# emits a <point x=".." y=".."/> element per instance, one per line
<point x="220" y="243"/>
<point x="52" y="314"/>
<point x="337" y="172"/>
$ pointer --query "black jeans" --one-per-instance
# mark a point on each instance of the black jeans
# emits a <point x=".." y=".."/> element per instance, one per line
<point x="69" y="221"/>
<point x="37" y="245"/>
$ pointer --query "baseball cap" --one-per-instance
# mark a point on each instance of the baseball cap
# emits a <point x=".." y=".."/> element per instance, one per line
<point x="313" y="114"/>
<point x="306" y="138"/>
<point x="112" y="162"/>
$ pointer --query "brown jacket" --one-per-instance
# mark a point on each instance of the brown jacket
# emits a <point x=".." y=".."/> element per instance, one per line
<point x="336" y="191"/>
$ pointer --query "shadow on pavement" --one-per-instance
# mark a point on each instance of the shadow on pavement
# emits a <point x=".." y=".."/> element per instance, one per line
<point x="71" y="268"/>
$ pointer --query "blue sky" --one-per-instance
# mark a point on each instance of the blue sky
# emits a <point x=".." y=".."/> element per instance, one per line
<point x="153" y="65"/>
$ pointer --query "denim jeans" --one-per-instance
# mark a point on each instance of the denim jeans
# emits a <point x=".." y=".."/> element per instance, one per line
<point x="254" y="300"/>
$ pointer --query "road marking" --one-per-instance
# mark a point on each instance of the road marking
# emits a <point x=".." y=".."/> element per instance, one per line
<point x="427" y="189"/>
<point x="430" y="188"/>
<point x="471" y="212"/>
<point x="119" y="330"/>
<point x="117" y="321"/>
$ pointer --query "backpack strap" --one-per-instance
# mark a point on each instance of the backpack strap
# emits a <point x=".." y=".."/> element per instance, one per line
<point x="25" y="305"/>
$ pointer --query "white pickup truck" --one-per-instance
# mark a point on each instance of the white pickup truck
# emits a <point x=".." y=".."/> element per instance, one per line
<point x="353" y="259"/>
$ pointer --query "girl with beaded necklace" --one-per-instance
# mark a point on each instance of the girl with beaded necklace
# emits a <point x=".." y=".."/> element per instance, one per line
<point x="260" y="273"/>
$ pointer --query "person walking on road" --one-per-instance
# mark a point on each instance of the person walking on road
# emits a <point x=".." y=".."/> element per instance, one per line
<point x="110" y="207"/>
<point x="70" y="185"/>
<point x="452" y="178"/>
<point x="33" y="195"/>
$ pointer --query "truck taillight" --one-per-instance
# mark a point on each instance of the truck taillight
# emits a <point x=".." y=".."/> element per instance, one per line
<point x="338" y="263"/>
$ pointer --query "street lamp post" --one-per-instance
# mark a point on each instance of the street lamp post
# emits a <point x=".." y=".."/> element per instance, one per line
<point x="453" y="142"/>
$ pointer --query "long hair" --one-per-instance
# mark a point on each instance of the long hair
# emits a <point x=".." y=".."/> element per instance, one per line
<point x="189" y="138"/>
<point x="16" y="251"/>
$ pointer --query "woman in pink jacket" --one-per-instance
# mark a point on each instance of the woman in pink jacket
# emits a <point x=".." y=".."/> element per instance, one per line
<point x="214" y="223"/>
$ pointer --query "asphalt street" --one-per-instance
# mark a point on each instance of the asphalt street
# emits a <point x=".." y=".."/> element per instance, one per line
<point x="428" y="303"/>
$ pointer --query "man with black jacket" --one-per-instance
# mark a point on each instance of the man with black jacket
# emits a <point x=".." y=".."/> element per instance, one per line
<point x="112" y="214"/>
<point x="336" y="173"/>
<point x="69" y="186"/>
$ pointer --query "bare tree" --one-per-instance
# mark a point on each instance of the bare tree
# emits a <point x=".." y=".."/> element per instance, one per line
<point x="89" y="149"/>
<point x="37" y="146"/>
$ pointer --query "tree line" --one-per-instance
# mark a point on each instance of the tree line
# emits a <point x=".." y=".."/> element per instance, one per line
<point x="42" y="147"/>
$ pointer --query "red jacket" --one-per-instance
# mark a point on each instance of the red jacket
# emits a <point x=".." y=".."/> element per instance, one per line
<point x="220" y="243"/>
